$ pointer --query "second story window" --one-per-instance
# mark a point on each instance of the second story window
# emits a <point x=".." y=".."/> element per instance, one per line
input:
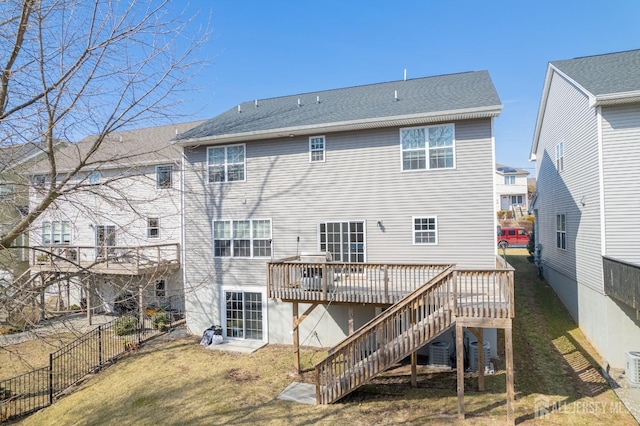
<point x="226" y="163"/>
<point x="560" y="156"/>
<point x="316" y="149"/>
<point x="242" y="238"/>
<point x="431" y="147"/>
<point x="94" y="178"/>
<point x="56" y="232"/>
<point x="164" y="176"/>
<point x="153" y="227"/>
<point x="509" y="180"/>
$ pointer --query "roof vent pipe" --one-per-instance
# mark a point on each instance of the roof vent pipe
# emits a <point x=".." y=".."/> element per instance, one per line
<point x="395" y="95"/>
<point x="256" y="103"/>
<point x="299" y="102"/>
<point x="239" y="108"/>
<point x="405" y="74"/>
<point x="318" y="99"/>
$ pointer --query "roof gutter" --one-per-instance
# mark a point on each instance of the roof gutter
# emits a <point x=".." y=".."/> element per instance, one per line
<point x="342" y="126"/>
<point x="615" y="98"/>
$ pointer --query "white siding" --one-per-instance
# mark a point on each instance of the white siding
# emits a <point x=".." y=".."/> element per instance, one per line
<point x="621" y="170"/>
<point x="361" y="179"/>
<point x="574" y="191"/>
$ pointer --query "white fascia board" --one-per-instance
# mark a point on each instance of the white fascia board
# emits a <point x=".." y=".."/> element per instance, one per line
<point x="370" y="123"/>
<point x="615" y="98"/>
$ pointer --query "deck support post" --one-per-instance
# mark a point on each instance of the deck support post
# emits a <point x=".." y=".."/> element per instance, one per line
<point x="414" y="369"/>
<point x="351" y="326"/>
<point x="296" y="338"/>
<point x="460" y="368"/>
<point x="508" y="343"/>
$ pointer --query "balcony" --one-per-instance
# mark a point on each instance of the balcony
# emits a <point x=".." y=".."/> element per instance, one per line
<point x="116" y="260"/>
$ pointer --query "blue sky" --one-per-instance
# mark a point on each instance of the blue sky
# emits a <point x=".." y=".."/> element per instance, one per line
<point x="262" y="49"/>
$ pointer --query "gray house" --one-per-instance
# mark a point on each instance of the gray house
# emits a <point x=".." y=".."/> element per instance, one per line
<point x="587" y="154"/>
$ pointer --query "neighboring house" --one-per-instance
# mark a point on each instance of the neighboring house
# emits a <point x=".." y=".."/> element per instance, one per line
<point x="587" y="154"/>
<point x="14" y="202"/>
<point x="511" y="189"/>
<point x="113" y="241"/>
<point x="396" y="172"/>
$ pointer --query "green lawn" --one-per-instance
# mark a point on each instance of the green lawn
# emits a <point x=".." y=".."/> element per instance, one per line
<point x="179" y="382"/>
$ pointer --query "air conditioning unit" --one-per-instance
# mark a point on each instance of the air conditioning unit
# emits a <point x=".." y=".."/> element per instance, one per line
<point x="439" y="355"/>
<point x="473" y="356"/>
<point x="632" y="368"/>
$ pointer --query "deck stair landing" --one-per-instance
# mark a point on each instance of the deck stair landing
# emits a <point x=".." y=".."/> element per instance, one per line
<point x="387" y="339"/>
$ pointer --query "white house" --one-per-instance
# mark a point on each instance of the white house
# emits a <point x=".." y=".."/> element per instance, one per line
<point x="511" y="189"/>
<point x="587" y="154"/>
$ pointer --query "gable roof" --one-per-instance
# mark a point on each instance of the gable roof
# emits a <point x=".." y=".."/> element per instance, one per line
<point x="608" y="79"/>
<point x="128" y="148"/>
<point x="12" y="156"/>
<point x="404" y="102"/>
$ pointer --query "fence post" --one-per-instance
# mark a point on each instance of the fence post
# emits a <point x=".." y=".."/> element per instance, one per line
<point x="100" y="345"/>
<point x="51" y="378"/>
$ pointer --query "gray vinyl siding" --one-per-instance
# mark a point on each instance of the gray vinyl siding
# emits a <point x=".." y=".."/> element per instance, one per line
<point x="621" y="157"/>
<point x="360" y="180"/>
<point x="574" y="191"/>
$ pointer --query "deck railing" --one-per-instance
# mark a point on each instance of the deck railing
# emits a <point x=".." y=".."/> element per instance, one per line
<point x="388" y="338"/>
<point x="376" y="283"/>
<point x="64" y="256"/>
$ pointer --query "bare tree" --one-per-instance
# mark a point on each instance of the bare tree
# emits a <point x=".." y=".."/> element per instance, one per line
<point x="77" y="67"/>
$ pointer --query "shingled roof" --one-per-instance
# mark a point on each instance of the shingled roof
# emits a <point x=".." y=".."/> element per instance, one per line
<point x="604" y="74"/>
<point x="404" y="102"/>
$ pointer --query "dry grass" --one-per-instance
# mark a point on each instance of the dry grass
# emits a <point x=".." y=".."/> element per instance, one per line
<point x="27" y="356"/>
<point x="180" y="382"/>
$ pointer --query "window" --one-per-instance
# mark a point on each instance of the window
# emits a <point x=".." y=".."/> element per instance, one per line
<point x="161" y="288"/>
<point x="226" y="163"/>
<point x="344" y="240"/>
<point x="242" y="238"/>
<point x="509" y="180"/>
<point x="316" y="149"/>
<point x="560" y="157"/>
<point x="427" y="147"/>
<point x="425" y="230"/>
<point x="164" y="176"/>
<point x="561" y="231"/>
<point x="39" y="181"/>
<point x="243" y="312"/>
<point x="56" y="232"/>
<point x="153" y="227"/>
<point x="516" y="199"/>
<point x="94" y="178"/>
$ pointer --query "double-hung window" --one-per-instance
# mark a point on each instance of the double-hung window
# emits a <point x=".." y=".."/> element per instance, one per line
<point x="344" y="240"/>
<point x="561" y="231"/>
<point x="425" y="230"/>
<point x="153" y="227"/>
<point x="431" y="147"/>
<point x="56" y="232"/>
<point x="164" y="176"/>
<point x="560" y="157"/>
<point x="242" y="238"/>
<point x="316" y="149"/>
<point x="226" y="163"/>
<point x="509" y="180"/>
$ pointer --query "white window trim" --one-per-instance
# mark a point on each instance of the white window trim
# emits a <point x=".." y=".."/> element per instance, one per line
<point x="226" y="164"/>
<point x="149" y="227"/>
<point x="563" y="232"/>
<point x="509" y="180"/>
<point x="324" y="149"/>
<point x="413" y="230"/>
<point x="170" y="166"/>
<point x="427" y="165"/>
<point x="51" y="233"/>
<point x="231" y="256"/>
<point x="560" y="157"/>
<point x="364" y="233"/>
<point x="223" y="310"/>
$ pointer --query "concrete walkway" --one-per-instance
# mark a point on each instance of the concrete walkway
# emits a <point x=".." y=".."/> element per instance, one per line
<point x="74" y="323"/>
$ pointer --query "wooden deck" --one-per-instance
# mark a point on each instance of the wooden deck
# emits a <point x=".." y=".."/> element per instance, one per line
<point x="119" y="260"/>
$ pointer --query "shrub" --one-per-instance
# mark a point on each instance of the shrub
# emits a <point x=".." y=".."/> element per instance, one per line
<point x="125" y="325"/>
<point x="160" y="320"/>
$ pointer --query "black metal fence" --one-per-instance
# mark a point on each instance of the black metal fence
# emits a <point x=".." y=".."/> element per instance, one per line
<point x="29" y="392"/>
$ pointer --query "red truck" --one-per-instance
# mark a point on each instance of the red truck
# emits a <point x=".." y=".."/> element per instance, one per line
<point x="512" y="237"/>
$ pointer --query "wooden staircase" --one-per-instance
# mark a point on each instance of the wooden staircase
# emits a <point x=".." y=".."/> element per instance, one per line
<point x="387" y="339"/>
